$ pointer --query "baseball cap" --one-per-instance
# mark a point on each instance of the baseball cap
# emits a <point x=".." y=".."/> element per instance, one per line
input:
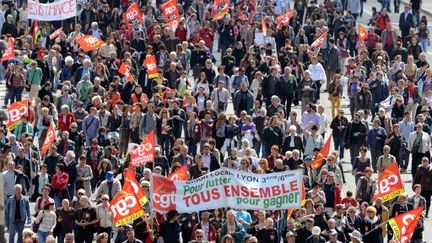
<point x="109" y="175"/>
<point x="316" y="230"/>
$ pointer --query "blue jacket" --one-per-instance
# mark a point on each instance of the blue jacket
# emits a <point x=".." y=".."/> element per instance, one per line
<point x="380" y="92"/>
<point x="11" y="206"/>
<point x="237" y="100"/>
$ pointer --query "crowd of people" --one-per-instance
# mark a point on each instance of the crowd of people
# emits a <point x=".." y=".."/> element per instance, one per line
<point x="265" y="69"/>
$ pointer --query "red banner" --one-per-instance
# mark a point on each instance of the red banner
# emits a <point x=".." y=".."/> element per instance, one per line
<point x="56" y="33"/>
<point x="390" y="184"/>
<point x="133" y="16"/>
<point x="15" y="113"/>
<point x="124" y="70"/>
<point x="145" y="151"/>
<point x="403" y="225"/>
<point x="89" y="43"/>
<point x="219" y="9"/>
<point x="318" y="160"/>
<point x="10" y="51"/>
<point x="49" y="139"/>
<point x="125" y="207"/>
<point x="180" y="174"/>
<point x="132" y="182"/>
<point x="170" y="13"/>
<point x="285" y="18"/>
<point x="163" y="194"/>
<point x="151" y="66"/>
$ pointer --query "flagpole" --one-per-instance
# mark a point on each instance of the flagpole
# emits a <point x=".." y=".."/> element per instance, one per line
<point x="380" y="225"/>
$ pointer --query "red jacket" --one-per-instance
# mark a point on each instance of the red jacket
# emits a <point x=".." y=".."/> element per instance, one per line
<point x="65" y="120"/>
<point x="271" y="160"/>
<point x="207" y="36"/>
<point x="60" y="181"/>
<point x="382" y="21"/>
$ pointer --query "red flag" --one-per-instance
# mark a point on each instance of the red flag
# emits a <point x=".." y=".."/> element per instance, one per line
<point x="316" y="45"/>
<point x="362" y="33"/>
<point x="133" y="16"/>
<point x="125" y="71"/>
<point x="131" y="181"/>
<point x="163" y="194"/>
<point x="219" y="9"/>
<point x="89" y="43"/>
<point x="322" y="154"/>
<point x="15" y="112"/>
<point x="56" y="33"/>
<point x="403" y="225"/>
<point x="285" y="18"/>
<point x="390" y="184"/>
<point x="145" y="151"/>
<point x="170" y="13"/>
<point x="49" y="139"/>
<point x="10" y="51"/>
<point x="35" y="32"/>
<point x="125" y="207"/>
<point x="264" y="26"/>
<point x="150" y="64"/>
<point x="180" y="174"/>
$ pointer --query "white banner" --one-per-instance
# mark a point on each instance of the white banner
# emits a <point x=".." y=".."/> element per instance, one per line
<point x="228" y="188"/>
<point x="60" y="10"/>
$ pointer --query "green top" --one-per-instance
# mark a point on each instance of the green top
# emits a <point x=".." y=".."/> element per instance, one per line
<point x="34" y="76"/>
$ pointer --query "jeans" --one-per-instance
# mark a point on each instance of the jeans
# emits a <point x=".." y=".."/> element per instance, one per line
<point x="42" y="236"/>
<point x="416" y="15"/>
<point x="71" y="191"/>
<point x="7" y="97"/>
<point x="424" y="42"/>
<point x="192" y="145"/>
<point x="258" y="146"/>
<point x="15" y="228"/>
<point x="386" y="4"/>
<point x="16" y="93"/>
<point x="376" y="151"/>
<point x="60" y="238"/>
<point x="165" y="142"/>
<point x="338" y="145"/>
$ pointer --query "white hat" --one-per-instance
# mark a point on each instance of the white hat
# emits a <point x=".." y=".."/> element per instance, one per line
<point x="316" y="230"/>
<point x="356" y="235"/>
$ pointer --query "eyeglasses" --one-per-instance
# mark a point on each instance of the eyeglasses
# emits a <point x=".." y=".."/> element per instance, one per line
<point x="198" y="236"/>
<point x="80" y="193"/>
<point x="104" y="199"/>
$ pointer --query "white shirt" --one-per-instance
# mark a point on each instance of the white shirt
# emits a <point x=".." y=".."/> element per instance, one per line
<point x="317" y="72"/>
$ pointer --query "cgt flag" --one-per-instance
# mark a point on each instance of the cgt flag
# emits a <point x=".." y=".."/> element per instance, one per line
<point x="150" y="65"/>
<point x="170" y="13"/>
<point x="180" y="174"/>
<point x="9" y="53"/>
<point x="403" y="225"/>
<point x="131" y="182"/>
<point x="390" y="184"/>
<point x="56" y="33"/>
<point x="125" y="207"/>
<point x="15" y="112"/>
<point x="133" y="16"/>
<point x="89" y="43"/>
<point x="322" y="154"/>
<point x="49" y="139"/>
<point x="285" y="18"/>
<point x="145" y="151"/>
<point x="125" y="71"/>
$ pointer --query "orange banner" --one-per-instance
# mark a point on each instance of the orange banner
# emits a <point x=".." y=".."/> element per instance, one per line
<point x="180" y="174"/>
<point x="170" y="13"/>
<point x="133" y="16"/>
<point x="124" y="70"/>
<point x="163" y="194"/>
<point x="363" y="34"/>
<point x="89" y="43"/>
<point x="49" y="139"/>
<point x="285" y="18"/>
<point x="132" y="182"/>
<point x="56" y="33"/>
<point x="145" y="151"/>
<point x="15" y="113"/>
<point x="318" y="160"/>
<point x="403" y="225"/>
<point x="10" y="51"/>
<point x="151" y="66"/>
<point x="390" y="184"/>
<point x="219" y="9"/>
<point x="125" y="207"/>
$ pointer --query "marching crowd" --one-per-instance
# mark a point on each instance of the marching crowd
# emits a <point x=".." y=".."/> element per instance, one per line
<point x="267" y="66"/>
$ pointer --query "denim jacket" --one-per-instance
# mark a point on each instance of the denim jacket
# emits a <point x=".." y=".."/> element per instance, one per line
<point x="24" y="208"/>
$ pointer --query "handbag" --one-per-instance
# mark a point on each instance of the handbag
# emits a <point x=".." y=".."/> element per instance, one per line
<point x="35" y="226"/>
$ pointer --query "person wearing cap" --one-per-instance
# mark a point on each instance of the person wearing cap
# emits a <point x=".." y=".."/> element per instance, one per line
<point x="368" y="225"/>
<point x="356" y="237"/>
<point x="46" y="219"/>
<point x="316" y="236"/>
<point x="110" y="186"/>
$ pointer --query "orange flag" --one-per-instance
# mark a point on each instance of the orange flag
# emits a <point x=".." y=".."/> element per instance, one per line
<point x="131" y="181"/>
<point x="49" y="139"/>
<point x="317" y="44"/>
<point x="170" y="13"/>
<point x="219" y="9"/>
<point x="264" y="26"/>
<point x="403" y="225"/>
<point x="15" y="112"/>
<point x="362" y="33"/>
<point x="56" y="33"/>
<point x="10" y="51"/>
<point x="150" y="64"/>
<point x="285" y="18"/>
<point x="133" y="16"/>
<point x="322" y="154"/>
<point x="125" y="207"/>
<point x="124" y="70"/>
<point x="145" y="151"/>
<point x="390" y="184"/>
<point x="180" y="174"/>
<point x="89" y="43"/>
